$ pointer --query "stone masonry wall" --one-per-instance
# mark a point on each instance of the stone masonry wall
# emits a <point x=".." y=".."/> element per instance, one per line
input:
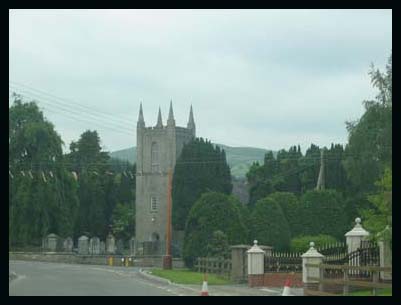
<point x="277" y="279"/>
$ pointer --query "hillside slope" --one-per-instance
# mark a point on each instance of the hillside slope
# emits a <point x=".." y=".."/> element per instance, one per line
<point x="239" y="158"/>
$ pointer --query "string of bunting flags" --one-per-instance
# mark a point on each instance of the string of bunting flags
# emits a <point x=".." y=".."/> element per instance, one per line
<point x="49" y="175"/>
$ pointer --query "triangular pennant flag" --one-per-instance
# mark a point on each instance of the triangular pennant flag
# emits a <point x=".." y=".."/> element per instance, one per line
<point x="44" y="177"/>
<point x="51" y="174"/>
<point x="74" y="174"/>
<point x="95" y="172"/>
<point x="125" y="174"/>
<point x="23" y="173"/>
<point x="30" y="174"/>
<point x="109" y="173"/>
<point x="11" y="174"/>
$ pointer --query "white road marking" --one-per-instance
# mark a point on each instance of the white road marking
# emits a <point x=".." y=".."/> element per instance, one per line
<point x="270" y="290"/>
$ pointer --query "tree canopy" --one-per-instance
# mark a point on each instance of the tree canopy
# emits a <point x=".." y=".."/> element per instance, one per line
<point x="212" y="212"/>
<point x="269" y="225"/>
<point x="66" y="194"/>
<point x="201" y="167"/>
<point x="37" y="205"/>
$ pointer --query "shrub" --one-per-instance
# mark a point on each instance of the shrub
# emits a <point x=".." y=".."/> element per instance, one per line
<point x="289" y="203"/>
<point x="322" y="212"/>
<point x="211" y="212"/>
<point x="218" y="245"/>
<point x="269" y="225"/>
<point x="301" y="243"/>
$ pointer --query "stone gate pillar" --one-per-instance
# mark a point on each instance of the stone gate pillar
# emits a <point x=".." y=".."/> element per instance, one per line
<point x="386" y="253"/>
<point x="312" y="256"/>
<point x="239" y="263"/>
<point x="355" y="236"/>
<point x="256" y="268"/>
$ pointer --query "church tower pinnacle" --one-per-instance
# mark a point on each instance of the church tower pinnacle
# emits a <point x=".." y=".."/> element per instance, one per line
<point x="170" y="120"/>
<point x="141" y="121"/>
<point x="159" y="120"/>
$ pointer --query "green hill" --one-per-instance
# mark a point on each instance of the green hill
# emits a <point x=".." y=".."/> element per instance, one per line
<point x="239" y="158"/>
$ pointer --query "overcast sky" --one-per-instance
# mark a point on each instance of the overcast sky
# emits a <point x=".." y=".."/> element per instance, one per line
<point x="262" y="78"/>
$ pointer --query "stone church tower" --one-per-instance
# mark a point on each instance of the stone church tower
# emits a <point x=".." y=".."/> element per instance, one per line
<point x="157" y="151"/>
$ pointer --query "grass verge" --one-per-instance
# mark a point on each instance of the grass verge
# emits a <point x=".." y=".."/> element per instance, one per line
<point x="185" y="276"/>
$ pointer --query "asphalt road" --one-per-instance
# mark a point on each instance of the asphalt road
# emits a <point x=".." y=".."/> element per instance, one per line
<point x="53" y="279"/>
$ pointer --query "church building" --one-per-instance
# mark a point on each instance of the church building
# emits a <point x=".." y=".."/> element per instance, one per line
<point x="158" y="148"/>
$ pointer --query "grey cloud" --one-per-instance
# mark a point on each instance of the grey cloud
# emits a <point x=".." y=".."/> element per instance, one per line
<point x="252" y="72"/>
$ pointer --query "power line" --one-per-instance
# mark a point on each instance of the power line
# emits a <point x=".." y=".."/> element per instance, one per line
<point x="190" y="161"/>
<point x="73" y="116"/>
<point x="68" y="108"/>
<point x="76" y="115"/>
<point x="117" y="127"/>
<point x="42" y="92"/>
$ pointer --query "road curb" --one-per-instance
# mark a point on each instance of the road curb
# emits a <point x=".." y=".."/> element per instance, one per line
<point x="148" y="276"/>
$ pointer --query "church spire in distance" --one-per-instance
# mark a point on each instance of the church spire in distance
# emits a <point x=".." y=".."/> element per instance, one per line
<point x="191" y="121"/>
<point x="320" y="179"/>
<point x="141" y="121"/>
<point x="170" y="120"/>
<point x="159" y="119"/>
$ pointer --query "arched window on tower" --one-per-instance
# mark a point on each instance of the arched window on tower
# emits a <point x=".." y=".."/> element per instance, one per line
<point x="155" y="157"/>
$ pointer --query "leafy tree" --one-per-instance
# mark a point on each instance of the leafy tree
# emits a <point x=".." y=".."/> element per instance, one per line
<point x="288" y="179"/>
<point x="97" y="189"/>
<point x="380" y="215"/>
<point x="218" y="245"/>
<point x="126" y="185"/>
<point x="269" y="225"/>
<point x="383" y="82"/>
<point x="311" y="165"/>
<point x="301" y="243"/>
<point x="259" y="190"/>
<point x="369" y="148"/>
<point x="211" y="212"/>
<point x="322" y="212"/>
<point x="51" y="200"/>
<point x="270" y="165"/>
<point x="123" y="221"/>
<point x="290" y="206"/>
<point x="201" y="167"/>
<point x="86" y="154"/>
<point x="38" y="204"/>
<point x="335" y="177"/>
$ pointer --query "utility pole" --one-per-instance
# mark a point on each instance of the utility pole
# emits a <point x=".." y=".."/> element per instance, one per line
<point x="167" y="259"/>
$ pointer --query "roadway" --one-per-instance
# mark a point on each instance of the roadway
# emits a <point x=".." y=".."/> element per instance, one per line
<point x="54" y="279"/>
